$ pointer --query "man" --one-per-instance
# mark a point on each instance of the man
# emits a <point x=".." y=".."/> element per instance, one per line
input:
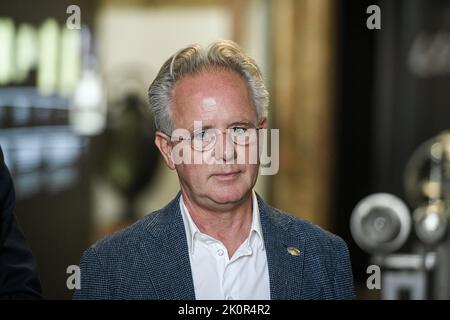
<point x="18" y="271"/>
<point x="217" y="239"/>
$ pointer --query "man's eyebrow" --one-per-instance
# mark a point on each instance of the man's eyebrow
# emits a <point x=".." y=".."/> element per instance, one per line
<point x="191" y="129"/>
<point x="233" y="124"/>
<point x="237" y="123"/>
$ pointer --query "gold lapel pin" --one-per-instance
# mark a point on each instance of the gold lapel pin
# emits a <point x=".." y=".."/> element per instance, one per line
<point x="293" y="251"/>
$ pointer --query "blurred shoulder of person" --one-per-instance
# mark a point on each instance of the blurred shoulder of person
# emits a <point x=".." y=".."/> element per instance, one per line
<point x="18" y="270"/>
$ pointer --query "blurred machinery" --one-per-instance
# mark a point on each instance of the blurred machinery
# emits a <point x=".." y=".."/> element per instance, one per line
<point x="381" y="225"/>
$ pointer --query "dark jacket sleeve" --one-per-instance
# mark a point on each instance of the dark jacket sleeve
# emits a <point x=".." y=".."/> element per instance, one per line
<point x="94" y="282"/>
<point x="343" y="276"/>
<point x="18" y="270"/>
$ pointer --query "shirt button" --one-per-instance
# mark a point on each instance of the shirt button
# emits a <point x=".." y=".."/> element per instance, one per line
<point x="220" y="252"/>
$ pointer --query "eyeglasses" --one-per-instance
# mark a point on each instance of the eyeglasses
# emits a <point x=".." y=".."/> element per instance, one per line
<point x="205" y="139"/>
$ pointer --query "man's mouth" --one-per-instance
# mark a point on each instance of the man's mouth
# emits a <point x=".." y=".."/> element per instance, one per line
<point x="227" y="175"/>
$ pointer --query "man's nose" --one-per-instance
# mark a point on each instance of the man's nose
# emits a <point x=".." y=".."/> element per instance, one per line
<point x="226" y="150"/>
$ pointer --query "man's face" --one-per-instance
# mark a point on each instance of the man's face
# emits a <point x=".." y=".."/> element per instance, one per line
<point x="219" y="99"/>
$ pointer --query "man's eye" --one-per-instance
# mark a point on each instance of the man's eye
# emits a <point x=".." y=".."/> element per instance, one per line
<point x="239" y="130"/>
<point x="202" y="135"/>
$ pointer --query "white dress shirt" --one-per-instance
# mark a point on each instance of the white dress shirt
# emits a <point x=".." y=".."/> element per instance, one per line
<point x="244" y="276"/>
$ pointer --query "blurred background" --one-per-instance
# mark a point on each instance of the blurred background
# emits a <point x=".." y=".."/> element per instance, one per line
<point x="360" y="111"/>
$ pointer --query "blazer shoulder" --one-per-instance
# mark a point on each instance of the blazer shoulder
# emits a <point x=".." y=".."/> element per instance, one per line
<point x="327" y="258"/>
<point x="121" y="242"/>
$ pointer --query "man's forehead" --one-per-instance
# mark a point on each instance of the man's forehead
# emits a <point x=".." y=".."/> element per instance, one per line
<point x="209" y="104"/>
<point x="217" y="98"/>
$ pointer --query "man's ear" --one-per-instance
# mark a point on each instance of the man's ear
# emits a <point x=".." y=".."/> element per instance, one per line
<point x="165" y="148"/>
<point x="263" y="122"/>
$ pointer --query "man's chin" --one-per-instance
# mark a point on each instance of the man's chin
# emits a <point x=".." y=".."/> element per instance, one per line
<point x="221" y="197"/>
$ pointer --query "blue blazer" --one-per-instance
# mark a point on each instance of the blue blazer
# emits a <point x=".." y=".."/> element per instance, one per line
<point x="150" y="260"/>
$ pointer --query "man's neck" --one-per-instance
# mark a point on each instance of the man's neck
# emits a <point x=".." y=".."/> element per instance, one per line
<point x="231" y="226"/>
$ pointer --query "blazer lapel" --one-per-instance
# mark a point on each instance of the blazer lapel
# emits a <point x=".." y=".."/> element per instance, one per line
<point x="166" y="254"/>
<point x="285" y="269"/>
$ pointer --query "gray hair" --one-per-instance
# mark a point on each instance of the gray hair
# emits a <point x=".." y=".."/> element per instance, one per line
<point x="224" y="54"/>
